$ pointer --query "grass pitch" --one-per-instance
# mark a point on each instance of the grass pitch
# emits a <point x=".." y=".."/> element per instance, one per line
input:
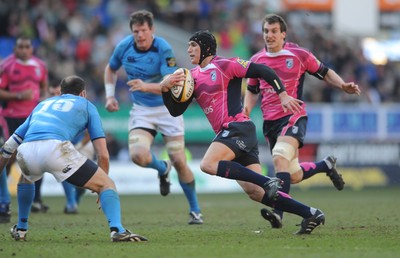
<point x="358" y="224"/>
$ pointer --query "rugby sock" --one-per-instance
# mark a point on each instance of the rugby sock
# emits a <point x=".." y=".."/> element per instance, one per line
<point x="190" y="192"/>
<point x="311" y="168"/>
<point x="233" y="170"/>
<point x="285" y="177"/>
<point x="25" y="195"/>
<point x="157" y="164"/>
<point x="4" y="193"/>
<point x="70" y="194"/>
<point x="38" y="193"/>
<point x="110" y="204"/>
<point x="286" y="203"/>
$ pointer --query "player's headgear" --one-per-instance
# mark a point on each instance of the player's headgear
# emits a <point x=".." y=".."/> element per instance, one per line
<point x="207" y="43"/>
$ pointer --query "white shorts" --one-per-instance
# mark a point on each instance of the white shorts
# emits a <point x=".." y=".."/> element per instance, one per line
<point x="53" y="156"/>
<point x="156" y="118"/>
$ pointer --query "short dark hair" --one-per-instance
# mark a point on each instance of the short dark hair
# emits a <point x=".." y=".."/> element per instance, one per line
<point x="274" y="18"/>
<point x="72" y="85"/>
<point x="141" y="17"/>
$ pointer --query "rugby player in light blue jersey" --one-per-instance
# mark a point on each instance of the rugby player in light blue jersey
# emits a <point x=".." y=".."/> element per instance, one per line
<point x="44" y="144"/>
<point x="147" y="59"/>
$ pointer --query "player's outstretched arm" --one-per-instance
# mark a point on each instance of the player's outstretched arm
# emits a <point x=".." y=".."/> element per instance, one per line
<point x="334" y="79"/>
<point x="268" y="74"/>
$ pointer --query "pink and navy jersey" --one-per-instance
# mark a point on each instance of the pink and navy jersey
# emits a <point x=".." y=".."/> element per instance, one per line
<point x="290" y="64"/>
<point x="218" y="89"/>
<point x="18" y="76"/>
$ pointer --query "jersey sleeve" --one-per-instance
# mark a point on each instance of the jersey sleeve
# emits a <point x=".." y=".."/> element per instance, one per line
<point x="23" y="128"/>
<point x="313" y="65"/>
<point x="236" y="67"/>
<point x="95" y="127"/>
<point x="168" y="59"/>
<point x="175" y="108"/>
<point x="115" y="59"/>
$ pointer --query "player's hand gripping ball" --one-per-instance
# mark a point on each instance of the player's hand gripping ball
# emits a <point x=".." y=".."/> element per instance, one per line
<point x="184" y="90"/>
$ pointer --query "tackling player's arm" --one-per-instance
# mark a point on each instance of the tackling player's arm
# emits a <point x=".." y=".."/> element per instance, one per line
<point x="8" y="149"/>
<point x="103" y="157"/>
<point x="268" y="74"/>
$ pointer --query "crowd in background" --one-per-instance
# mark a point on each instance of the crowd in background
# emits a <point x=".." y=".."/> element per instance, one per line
<point x="77" y="37"/>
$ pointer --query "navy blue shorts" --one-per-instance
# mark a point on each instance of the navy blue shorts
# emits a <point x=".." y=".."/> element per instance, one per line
<point x="294" y="126"/>
<point x="241" y="138"/>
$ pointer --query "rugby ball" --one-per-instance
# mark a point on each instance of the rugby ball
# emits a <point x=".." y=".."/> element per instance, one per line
<point x="184" y="90"/>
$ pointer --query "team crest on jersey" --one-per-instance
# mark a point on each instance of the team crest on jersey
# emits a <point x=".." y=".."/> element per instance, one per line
<point x="37" y="71"/>
<point x="213" y="76"/>
<point x="171" y="61"/>
<point x="289" y="63"/>
<point x="243" y="63"/>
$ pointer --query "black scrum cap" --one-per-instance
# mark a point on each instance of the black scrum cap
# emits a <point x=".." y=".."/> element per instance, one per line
<point x="207" y="43"/>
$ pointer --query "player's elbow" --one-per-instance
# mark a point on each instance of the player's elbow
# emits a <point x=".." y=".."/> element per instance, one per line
<point x="175" y="113"/>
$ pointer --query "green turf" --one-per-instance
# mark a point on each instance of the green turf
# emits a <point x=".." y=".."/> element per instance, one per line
<point x="358" y="224"/>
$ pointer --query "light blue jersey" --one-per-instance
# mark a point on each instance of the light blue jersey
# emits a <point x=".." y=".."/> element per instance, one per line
<point x="61" y="118"/>
<point x="150" y="66"/>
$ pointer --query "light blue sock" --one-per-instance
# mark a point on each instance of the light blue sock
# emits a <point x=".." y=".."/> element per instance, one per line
<point x="70" y="194"/>
<point x="25" y="195"/>
<point x="109" y="201"/>
<point x="190" y="191"/>
<point x="4" y="193"/>
<point x="157" y="164"/>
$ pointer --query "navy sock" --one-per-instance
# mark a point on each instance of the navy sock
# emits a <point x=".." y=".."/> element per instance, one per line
<point x="285" y="177"/>
<point x="311" y="168"/>
<point x="233" y="170"/>
<point x="286" y="203"/>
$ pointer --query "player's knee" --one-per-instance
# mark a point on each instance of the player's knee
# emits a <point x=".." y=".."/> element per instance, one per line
<point x="296" y="173"/>
<point x="208" y="167"/>
<point x="175" y="147"/>
<point x="282" y="154"/>
<point x="140" y="159"/>
<point x="296" y="178"/>
<point x="139" y="149"/>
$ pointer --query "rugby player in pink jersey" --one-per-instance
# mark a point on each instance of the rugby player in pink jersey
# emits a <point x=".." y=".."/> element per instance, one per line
<point x="233" y="153"/>
<point x="285" y="130"/>
<point x="23" y="84"/>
